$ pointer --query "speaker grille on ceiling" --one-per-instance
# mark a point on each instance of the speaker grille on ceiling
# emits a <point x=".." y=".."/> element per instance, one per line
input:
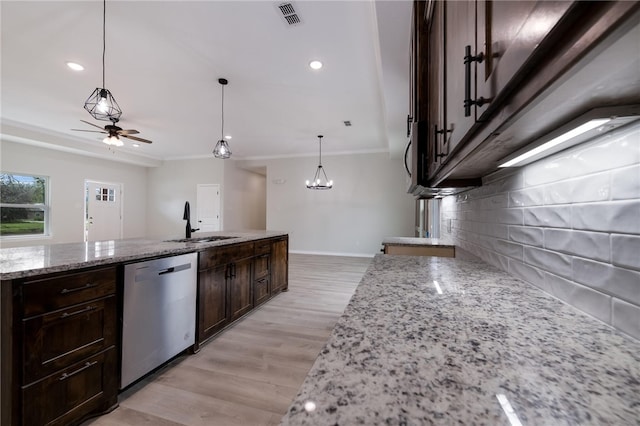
<point x="289" y="13"/>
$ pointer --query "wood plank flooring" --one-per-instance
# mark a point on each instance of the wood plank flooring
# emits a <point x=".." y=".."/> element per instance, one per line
<point x="248" y="374"/>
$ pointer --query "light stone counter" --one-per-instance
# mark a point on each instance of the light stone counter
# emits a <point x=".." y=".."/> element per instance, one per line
<point x="427" y="340"/>
<point x="415" y="241"/>
<point x="21" y="262"/>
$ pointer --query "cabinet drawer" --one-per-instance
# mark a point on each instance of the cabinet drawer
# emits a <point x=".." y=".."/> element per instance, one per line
<point x="47" y="295"/>
<point x="262" y="247"/>
<point x="261" y="266"/>
<point x="261" y="290"/>
<point x="224" y="255"/>
<point x="69" y="395"/>
<point x="57" y="339"/>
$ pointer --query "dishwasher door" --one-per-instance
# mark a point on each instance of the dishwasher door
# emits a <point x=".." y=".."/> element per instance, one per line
<point x="159" y="313"/>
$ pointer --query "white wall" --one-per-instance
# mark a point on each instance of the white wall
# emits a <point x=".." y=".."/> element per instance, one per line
<point x="569" y="224"/>
<point x="367" y="203"/>
<point x="245" y="198"/>
<point x="173" y="183"/>
<point x="67" y="173"/>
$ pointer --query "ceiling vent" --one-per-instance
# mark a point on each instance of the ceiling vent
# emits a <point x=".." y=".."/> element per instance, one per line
<point x="289" y="14"/>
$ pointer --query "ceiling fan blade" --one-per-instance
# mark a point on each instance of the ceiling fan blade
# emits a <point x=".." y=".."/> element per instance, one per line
<point x="92" y="131"/>
<point x="136" y="138"/>
<point x="91" y="124"/>
<point x="128" y="132"/>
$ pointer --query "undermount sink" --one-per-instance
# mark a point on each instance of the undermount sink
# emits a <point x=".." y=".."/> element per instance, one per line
<point x="199" y="240"/>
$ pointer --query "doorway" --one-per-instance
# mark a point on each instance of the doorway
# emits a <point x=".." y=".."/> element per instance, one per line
<point x="208" y="207"/>
<point x="102" y="211"/>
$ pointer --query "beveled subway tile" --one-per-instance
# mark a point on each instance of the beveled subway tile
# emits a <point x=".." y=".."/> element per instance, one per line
<point x="614" y="216"/>
<point x="528" y="273"/>
<point x="550" y="261"/>
<point x="625" y="183"/>
<point x="584" y="298"/>
<point x="553" y="216"/>
<point x="625" y="251"/>
<point x="511" y="216"/>
<point x="529" y="235"/>
<point x="527" y="197"/>
<point x="626" y="317"/>
<point x="619" y="282"/>
<point x="592" y="245"/>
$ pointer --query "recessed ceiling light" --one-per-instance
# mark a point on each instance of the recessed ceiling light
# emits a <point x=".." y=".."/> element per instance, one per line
<point x="227" y="136"/>
<point x="316" y="65"/>
<point x="136" y="145"/>
<point x="74" y="66"/>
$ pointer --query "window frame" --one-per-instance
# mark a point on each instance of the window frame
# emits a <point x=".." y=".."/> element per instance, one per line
<point x="45" y="207"/>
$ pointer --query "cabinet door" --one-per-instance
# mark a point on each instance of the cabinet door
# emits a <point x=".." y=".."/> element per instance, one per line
<point x="212" y="301"/>
<point x="71" y="394"/>
<point x="57" y="339"/>
<point x="509" y="33"/>
<point x="435" y="86"/>
<point x="459" y="32"/>
<point x="240" y="289"/>
<point x="279" y="266"/>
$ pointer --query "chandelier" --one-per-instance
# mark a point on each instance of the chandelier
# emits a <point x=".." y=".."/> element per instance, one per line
<point x="101" y="104"/>
<point x="320" y="180"/>
<point x="222" y="147"/>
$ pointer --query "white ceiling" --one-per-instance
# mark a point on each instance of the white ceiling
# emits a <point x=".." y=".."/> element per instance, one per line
<point x="164" y="58"/>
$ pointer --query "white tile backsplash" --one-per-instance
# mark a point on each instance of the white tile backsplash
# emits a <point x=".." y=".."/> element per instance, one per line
<point x="591" y="245"/>
<point x="626" y="317"/>
<point x="616" y="216"/>
<point x="569" y="224"/>
<point x="625" y="183"/>
<point x="625" y="251"/>
<point x="556" y="216"/>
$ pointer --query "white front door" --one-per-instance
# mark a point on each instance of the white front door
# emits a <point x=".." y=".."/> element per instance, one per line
<point x="208" y="207"/>
<point x="103" y="211"/>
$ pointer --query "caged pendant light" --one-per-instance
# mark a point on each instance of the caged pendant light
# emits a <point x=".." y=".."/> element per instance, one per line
<point x="320" y="180"/>
<point x="101" y="104"/>
<point x="222" y="147"/>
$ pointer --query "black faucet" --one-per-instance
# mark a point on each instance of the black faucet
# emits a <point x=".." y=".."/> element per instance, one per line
<point x="187" y="216"/>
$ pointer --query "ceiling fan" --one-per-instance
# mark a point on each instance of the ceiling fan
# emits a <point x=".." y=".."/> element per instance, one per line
<point x="114" y="133"/>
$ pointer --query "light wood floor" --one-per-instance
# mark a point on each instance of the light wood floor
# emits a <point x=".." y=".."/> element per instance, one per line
<point x="250" y="373"/>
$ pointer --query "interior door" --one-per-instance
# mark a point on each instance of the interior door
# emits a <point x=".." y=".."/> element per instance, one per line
<point x="208" y="207"/>
<point x="103" y="211"/>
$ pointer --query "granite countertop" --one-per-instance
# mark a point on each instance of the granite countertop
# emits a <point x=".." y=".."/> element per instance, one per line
<point x="21" y="262"/>
<point x="415" y="241"/>
<point x="428" y="340"/>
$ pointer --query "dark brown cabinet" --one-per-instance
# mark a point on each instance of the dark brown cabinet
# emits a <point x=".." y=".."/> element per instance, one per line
<point x="64" y="348"/>
<point x="280" y="265"/>
<point x="224" y="287"/>
<point x="476" y="67"/>
<point x="262" y="273"/>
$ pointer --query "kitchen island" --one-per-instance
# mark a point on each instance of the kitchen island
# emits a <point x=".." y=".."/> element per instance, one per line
<point x="429" y="340"/>
<point x="65" y="309"/>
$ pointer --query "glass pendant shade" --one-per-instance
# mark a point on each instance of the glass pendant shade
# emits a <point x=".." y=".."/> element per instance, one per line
<point x="320" y="180"/>
<point x="103" y="106"/>
<point x="222" y="150"/>
<point x="113" y="140"/>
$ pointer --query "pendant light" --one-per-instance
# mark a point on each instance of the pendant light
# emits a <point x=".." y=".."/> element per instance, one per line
<point x="101" y="104"/>
<point x="320" y="180"/>
<point x="222" y="147"/>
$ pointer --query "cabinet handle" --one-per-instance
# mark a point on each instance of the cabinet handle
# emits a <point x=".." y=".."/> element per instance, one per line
<point x="84" y="287"/>
<point x="409" y="120"/>
<point x="81" y="311"/>
<point x="65" y="376"/>
<point x="468" y="59"/>
<point x="439" y="132"/>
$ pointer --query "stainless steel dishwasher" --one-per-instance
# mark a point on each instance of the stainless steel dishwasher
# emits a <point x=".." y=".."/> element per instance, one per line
<point x="159" y="314"/>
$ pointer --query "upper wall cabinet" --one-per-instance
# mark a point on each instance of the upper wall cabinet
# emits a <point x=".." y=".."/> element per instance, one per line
<point x="477" y="64"/>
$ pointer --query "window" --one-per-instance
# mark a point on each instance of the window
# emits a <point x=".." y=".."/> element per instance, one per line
<point x="24" y="207"/>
